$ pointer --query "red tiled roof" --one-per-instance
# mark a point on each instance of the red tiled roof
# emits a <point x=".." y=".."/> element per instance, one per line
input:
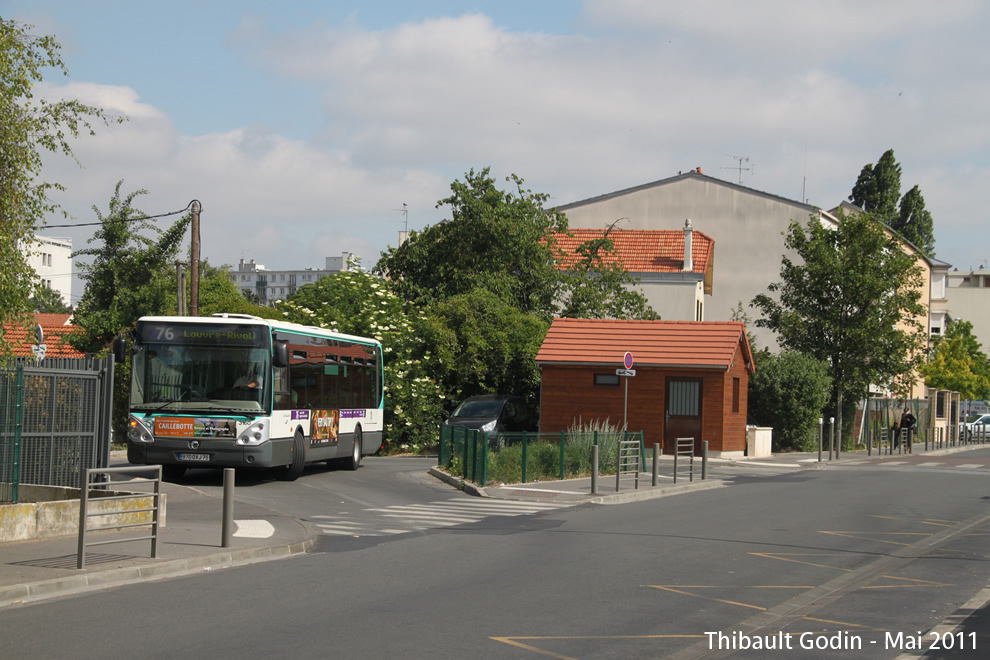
<point x="55" y="344"/>
<point x="645" y="250"/>
<point x="52" y="319"/>
<point x="704" y="344"/>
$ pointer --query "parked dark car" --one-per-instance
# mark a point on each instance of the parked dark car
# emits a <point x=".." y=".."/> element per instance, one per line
<point x="493" y="414"/>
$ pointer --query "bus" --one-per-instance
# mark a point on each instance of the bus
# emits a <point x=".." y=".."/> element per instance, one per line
<point x="240" y="391"/>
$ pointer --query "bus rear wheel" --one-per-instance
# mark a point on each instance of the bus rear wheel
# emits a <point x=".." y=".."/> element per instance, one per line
<point x="354" y="461"/>
<point x="294" y="470"/>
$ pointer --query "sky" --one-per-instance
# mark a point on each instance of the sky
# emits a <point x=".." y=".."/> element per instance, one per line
<point x="306" y="127"/>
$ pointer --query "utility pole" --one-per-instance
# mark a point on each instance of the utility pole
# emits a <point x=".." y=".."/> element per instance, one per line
<point x="194" y="257"/>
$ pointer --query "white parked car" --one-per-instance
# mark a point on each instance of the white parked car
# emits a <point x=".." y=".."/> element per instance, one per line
<point x="978" y="426"/>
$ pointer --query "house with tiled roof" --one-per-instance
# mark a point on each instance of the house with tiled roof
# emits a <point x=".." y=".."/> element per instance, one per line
<point x="55" y="340"/>
<point x="675" y="268"/>
<point x="747" y="224"/>
<point x="691" y="380"/>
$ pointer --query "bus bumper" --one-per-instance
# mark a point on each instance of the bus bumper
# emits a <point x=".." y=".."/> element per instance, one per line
<point x="210" y="454"/>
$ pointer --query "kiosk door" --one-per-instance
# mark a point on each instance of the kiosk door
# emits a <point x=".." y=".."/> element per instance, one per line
<point x="683" y="413"/>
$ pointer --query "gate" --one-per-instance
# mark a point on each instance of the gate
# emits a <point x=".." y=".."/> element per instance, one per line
<point x="64" y="421"/>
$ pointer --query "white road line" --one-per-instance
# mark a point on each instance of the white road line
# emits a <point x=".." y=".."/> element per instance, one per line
<point x="433" y="515"/>
<point x="971" y="465"/>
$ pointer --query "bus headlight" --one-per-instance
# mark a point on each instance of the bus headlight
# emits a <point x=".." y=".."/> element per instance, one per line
<point x="255" y="434"/>
<point x="137" y="431"/>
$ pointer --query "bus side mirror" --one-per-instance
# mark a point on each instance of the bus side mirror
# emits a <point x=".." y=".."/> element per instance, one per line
<point x="281" y="357"/>
<point x="120" y="349"/>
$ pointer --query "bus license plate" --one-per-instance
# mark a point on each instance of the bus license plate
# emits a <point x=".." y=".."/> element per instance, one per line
<point x="194" y="457"/>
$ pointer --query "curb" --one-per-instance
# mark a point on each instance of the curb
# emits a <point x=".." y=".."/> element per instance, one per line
<point x="18" y="594"/>
<point x="649" y="493"/>
<point x="652" y="493"/>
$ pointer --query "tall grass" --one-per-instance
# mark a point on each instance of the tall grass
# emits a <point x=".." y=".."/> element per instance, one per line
<point x="583" y="435"/>
<point x="543" y="456"/>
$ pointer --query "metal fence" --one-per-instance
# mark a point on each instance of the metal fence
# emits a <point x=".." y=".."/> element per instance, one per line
<point x="61" y="426"/>
<point x="523" y="457"/>
<point x="11" y="400"/>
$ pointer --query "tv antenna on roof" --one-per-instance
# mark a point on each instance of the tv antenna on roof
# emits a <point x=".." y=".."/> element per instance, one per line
<point x="739" y="165"/>
<point x="405" y="212"/>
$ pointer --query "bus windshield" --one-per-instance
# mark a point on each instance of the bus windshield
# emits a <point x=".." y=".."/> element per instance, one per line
<point x="201" y="367"/>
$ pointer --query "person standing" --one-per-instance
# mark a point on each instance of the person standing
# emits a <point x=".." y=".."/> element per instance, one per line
<point x="907" y="427"/>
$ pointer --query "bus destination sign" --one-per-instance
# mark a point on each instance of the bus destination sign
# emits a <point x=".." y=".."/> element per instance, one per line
<point x="200" y="334"/>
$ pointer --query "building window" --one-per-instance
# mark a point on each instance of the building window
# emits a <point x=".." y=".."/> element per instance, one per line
<point x="606" y="380"/>
<point x="735" y="395"/>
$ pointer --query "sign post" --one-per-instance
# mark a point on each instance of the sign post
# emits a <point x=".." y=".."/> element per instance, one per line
<point x="39" y="348"/>
<point x="628" y="372"/>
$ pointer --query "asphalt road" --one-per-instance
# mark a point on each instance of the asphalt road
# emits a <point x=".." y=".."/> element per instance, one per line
<point x="864" y="559"/>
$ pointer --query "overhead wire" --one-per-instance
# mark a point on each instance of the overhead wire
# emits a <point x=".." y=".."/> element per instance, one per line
<point x="93" y="224"/>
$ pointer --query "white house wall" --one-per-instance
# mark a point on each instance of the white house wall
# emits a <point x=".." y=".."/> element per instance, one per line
<point x="672" y="300"/>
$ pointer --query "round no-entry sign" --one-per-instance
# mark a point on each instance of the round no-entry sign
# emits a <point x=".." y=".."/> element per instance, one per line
<point x="627" y="360"/>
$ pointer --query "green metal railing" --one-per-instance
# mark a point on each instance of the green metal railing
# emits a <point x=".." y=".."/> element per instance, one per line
<point x="522" y="457"/>
<point x="11" y="414"/>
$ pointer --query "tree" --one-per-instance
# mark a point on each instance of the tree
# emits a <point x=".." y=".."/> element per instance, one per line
<point x="482" y="345"/>
<point x="958" y="363"/>
<point x="357" y="303"/>
<point x="495" y="240"/>
<point x="131" y="276"/>
<point x="598" y="286"/>
<point x="789" y="392"/>
<point x="853" y="302"/>
<point x="28" y="128"/>
<point x="48" y="301"/>
<point x="879" y="187"/>
<point x="505" y="242"/>
<point x="915" y="223"/>
<point x="877" y="191"/>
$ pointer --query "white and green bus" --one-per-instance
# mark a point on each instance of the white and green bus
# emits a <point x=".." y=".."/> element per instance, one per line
<point x="240" y="391"/>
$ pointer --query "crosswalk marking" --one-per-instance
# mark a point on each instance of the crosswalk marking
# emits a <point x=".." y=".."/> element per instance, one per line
<point x="400" y="519"/>
<point x="970" y="465"/>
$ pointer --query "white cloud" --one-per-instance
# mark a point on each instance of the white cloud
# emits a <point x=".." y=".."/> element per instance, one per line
<point x="808" y="92"/>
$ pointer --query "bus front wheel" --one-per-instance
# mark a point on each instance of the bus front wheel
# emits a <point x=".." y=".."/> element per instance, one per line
<point x="294" y="470"/>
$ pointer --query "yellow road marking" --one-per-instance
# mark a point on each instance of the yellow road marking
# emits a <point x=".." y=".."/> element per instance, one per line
<point x="513" y="641"/>
<point x="719" y="600"/>
<point x="860" y="536"/>
<point x="782" y="557"/>
<point x="840" y="623"/>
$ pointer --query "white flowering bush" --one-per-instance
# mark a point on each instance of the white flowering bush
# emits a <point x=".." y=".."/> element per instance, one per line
<point x="359" y="303"/>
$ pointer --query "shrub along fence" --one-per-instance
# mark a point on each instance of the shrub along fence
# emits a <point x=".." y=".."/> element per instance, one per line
<point x="520" y="457"/>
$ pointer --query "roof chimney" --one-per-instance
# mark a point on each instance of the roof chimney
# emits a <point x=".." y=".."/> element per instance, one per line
<point x="688" y="240"/>
<point x="698" y="170"/>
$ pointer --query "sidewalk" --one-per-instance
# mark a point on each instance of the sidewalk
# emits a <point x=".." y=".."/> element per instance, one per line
<point x="578" y="491"/>
<point x="191" y="540"/>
